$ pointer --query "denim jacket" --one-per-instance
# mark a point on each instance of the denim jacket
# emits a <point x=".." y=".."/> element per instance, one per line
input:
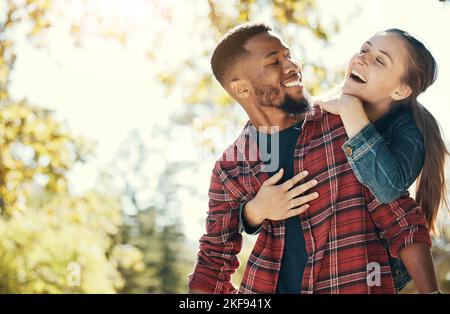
<point x="387" y="157"/>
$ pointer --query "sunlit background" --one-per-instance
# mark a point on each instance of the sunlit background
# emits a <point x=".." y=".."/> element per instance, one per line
<point x="136" y="122"/>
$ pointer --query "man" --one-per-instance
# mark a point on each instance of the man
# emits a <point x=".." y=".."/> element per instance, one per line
<point x="332" y="242"/>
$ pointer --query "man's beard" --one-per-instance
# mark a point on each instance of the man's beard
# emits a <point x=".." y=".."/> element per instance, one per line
<point x="295" y="107"/>
<point x="288" y="105"/>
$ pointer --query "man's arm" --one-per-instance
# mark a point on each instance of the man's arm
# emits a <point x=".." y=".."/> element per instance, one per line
<point x="403" y="225"/>
<point x="216" y="259"/>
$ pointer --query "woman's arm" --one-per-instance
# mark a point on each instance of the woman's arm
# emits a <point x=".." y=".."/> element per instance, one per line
<point x="405" y="229"/>
<point x="419" y="263"/>
<point x="349" y="108"/>
<point x="387" y="170"/>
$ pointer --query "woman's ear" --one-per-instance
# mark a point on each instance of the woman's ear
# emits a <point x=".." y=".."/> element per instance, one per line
<point x="403" y="92"/>
<point x="240" y="89"/>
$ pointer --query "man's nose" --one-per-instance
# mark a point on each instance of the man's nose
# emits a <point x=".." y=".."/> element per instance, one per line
<point x="291" y="67"/>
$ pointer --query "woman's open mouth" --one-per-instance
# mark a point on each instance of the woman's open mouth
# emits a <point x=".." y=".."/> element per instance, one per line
<point x="357" y="77"/>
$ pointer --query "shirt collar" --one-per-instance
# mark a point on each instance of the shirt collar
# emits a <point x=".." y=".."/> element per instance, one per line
<point x="245" y="139"/>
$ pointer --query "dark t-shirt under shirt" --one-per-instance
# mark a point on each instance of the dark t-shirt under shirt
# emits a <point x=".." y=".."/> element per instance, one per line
<point x="294" y="255"/>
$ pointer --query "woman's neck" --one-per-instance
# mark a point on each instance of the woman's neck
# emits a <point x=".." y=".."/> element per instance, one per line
<point x="375" y="111"/>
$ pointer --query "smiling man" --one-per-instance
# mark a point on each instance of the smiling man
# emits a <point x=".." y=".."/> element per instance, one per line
<point x="327" y="241"/>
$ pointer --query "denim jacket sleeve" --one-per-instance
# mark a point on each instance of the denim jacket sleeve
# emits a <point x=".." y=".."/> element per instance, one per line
<point x="387" y="166"/>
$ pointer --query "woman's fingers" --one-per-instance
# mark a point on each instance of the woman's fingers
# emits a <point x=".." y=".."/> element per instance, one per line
<point x="302" y="188"/>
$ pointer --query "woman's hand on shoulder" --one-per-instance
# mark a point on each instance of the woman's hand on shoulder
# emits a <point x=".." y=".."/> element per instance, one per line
<point x="337" y="103"/>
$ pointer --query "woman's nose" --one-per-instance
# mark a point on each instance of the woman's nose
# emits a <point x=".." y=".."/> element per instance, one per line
<point x="361" y="60"/>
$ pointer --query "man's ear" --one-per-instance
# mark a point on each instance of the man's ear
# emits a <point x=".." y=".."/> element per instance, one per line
<point x="240" y="89"/>
<point x="404" y="91"/>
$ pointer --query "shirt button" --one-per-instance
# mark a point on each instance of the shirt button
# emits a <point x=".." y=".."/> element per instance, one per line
<point x="349" y="151"/>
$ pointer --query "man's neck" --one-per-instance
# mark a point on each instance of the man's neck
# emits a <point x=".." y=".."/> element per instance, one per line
<point x="272" y="118"/>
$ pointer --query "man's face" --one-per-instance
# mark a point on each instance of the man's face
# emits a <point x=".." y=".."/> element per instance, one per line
<point x="273" y="76"/>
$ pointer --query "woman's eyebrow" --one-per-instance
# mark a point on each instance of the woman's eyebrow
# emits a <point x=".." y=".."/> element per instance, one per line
<point x="382" y="51"/>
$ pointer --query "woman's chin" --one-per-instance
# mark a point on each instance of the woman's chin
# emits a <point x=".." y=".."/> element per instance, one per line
<point x="346" y="89"/>
<point x="350" y="89"/>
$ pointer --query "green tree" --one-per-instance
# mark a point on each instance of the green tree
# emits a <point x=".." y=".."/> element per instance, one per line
<point x="50" y="240"/>
<point x="43" y="228"/>
<point x="152" y="224"/>
<point x="33" y="14"/>
<point x="34" y="147"/>
<point x="61" y="246"/>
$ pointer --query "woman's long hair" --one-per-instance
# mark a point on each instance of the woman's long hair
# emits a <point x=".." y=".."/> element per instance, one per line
<point x="421" y="72"/>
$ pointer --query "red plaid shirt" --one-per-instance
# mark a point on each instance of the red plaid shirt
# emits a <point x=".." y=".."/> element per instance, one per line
<point x="342" y="228"/>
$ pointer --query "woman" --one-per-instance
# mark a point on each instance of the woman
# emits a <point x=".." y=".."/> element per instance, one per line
<point x="393" y="139"/>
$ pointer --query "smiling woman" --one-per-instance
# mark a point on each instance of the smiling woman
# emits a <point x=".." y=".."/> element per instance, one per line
<point x="393" y="139"/>
<point x="374" y="74"/>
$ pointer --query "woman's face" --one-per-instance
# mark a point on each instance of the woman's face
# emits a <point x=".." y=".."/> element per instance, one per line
<point x="374" y="74"/>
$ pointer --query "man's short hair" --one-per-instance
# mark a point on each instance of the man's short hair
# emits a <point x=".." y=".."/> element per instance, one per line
<point x="231" y="47"/>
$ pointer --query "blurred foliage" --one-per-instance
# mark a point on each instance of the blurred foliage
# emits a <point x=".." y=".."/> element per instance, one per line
<point x="37" y="248"/>
<point x="50" y="240"/>
<point x="152" y="223"/>
<point x="43" y="228"/>
<point x="12" y="14"/>
<point x="34" y="146"/>
<point x="49" y="236"/>
<point x="165" y="264"/>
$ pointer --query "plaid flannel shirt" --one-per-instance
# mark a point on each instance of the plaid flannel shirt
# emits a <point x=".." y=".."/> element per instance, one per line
<point x="342" y="228"/>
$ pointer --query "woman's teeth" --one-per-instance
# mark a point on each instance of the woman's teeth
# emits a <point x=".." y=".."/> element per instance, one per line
<point x="358" y="77"/>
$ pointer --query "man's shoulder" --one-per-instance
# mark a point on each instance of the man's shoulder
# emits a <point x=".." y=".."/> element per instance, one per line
<point x="228" y="158"/>
<point x="325" y="121"/>
<point x="226" y="176"/>
<point x="335" y="119"/>
<point x="235" y="153"/>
